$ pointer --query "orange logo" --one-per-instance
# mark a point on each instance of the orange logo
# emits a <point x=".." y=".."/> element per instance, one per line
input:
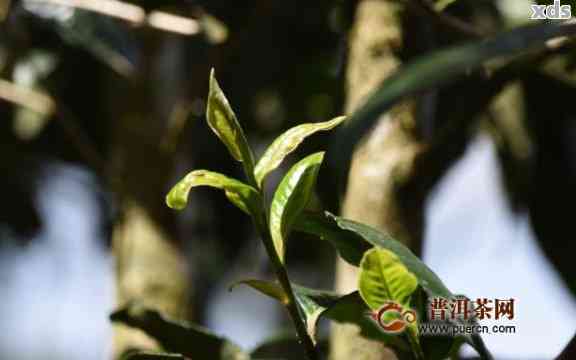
<point x="393" y="318"/>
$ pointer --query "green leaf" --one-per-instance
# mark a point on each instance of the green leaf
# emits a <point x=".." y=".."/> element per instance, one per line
<point x="351" y="309"/>
<point x="350" y="246"/>
<point x="287" y="143"/>
<point x="267" y="288"/>
<point x="189" y="340"/>
<point x="350" y="241"/>
<point x="351" y="238"/>
<point x="243" y="196"/>
<point x="437" y="69"/>
<point x="441" y="5"/>
<point x="383" y="277"/>
<point x="311" y="302"/>
<point x="223" y="122"/>
<point x="291" y="198"/>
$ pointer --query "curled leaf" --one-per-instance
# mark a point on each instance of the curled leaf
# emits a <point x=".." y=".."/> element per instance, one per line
<point x="287" y="143"/>
<point x="291" y="198"/>
<point x="223" y="122"/>
<point x="243" y="196"/>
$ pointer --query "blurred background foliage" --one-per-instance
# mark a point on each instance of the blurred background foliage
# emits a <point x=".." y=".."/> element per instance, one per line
<point x="76" y="82"/>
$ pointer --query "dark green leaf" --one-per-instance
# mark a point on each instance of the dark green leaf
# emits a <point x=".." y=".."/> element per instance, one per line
<point x="189" y="340"/>
<point x="351" y="309"/>
<point x="350" y="246"/>
<point x="291" y="198"/>
<point x="427" y="279"/>
<point x="437" y="69"/>
<point x="243" y="196"/>
<point x="283" y="346"/>
<point x="287" y="143"/>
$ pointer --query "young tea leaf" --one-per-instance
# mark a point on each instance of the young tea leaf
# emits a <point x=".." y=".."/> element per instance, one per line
<point x="287" y="143"/>
<point x="291" y="198"/>
<point x="223" y="122"/>
<point x="243" y="196"/>
<point x="383" y="277"/>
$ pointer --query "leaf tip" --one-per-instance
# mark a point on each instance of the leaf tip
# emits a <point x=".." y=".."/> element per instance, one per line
<point x="175" y="201"/>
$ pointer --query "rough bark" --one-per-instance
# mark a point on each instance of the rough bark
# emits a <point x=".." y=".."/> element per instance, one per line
<point x="382" y="162"/>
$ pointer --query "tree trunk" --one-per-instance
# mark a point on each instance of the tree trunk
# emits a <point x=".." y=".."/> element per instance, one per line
<point x="150" y="266"/>
<point x="382" y="163"/>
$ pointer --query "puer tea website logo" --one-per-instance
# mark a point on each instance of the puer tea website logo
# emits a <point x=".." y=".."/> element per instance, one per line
<point x="557" y="11"/>
<point x="457" y="316"/>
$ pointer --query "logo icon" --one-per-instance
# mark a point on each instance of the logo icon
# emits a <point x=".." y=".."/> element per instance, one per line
<point x="393" y="318"/>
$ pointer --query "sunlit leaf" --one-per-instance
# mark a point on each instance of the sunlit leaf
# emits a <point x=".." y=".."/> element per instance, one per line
<point x="383" y="277"/>
<point x="243" y="196"/>
<point x="287" y="143"/>
<point x="189" y="340"/>
<point x="291" y="197"/>
<point x="440" y="5"/>
<point x="223" y="122"/>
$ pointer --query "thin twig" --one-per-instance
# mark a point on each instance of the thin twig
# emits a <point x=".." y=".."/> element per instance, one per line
<point x="291" y="305"/>
<point x="133" y="14"/>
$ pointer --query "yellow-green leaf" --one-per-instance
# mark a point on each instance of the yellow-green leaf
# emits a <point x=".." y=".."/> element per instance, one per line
<point x="223" y="122"/>
<point x="383" y="278"/>
<point x="441" y="5"/>
<point x="243" y="196"/>
<point x="287" y="143"/>
<point x="291" y="197"/>
<point x="268" y="288"/>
